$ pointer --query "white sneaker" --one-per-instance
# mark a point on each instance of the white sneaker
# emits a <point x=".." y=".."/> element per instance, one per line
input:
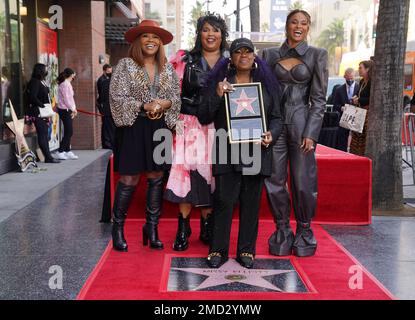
<point x="70" y="155"/>
<point x="61" y="156"/>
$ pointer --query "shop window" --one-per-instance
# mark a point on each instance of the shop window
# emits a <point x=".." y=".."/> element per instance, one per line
<point x="10" y="57"/>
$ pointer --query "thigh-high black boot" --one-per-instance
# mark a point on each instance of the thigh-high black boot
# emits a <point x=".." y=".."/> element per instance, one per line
<point x="153" y="212"/>
<point x="122" y="201"/>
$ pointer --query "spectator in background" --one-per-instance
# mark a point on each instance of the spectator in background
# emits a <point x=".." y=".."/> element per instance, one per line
<point x="413" y="104"/>
<point x="67" y="111"/>
<point x="344" y="95"/>
<point x="38" y="96"/>
<point x="103" y="105"/>
<point x="330" y="99"/>
<point x="362" y="99"/>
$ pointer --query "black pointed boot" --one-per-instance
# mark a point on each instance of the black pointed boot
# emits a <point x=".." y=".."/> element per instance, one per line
<point x="281" y="241"/>
<point x="123" y="196"/>
<point x="183" y="233"/>
<point x="153" y="212"/>
<point x="206" y="225"/>
<point x="305" y="244"/>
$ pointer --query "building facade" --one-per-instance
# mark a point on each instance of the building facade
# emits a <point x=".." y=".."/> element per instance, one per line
<point x="79" y="34"/>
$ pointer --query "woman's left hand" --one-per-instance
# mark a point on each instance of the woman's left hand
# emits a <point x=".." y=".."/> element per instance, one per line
<point x="266" y="139"/>
<point x="74" y="113"/>
<point x="307" y="145"/>
<point x="165" y="104"/>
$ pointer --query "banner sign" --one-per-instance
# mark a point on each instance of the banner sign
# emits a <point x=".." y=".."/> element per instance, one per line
<point x="48" y="55"/>
<point x="279" y="12"/>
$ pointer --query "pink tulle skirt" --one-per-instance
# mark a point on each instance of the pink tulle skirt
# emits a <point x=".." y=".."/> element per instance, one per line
<point x="190" y="179"/>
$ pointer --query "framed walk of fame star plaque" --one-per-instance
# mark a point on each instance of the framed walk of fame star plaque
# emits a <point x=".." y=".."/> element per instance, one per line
<point x="245" y="113"/>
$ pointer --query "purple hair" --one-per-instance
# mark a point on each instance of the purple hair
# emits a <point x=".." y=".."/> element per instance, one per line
<point x="262" y="73"/>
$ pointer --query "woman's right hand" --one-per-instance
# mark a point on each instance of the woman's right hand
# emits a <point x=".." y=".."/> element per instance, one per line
<point x="224" y="87"/>
<point x="149" y="107"/>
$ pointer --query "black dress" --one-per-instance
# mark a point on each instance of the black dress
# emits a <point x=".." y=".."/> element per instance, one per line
<point x="137" y="143"/>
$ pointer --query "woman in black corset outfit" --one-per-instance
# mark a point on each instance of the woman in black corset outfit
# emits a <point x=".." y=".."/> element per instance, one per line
<point x="302" y="72"/>
<point x="38" y="96"/>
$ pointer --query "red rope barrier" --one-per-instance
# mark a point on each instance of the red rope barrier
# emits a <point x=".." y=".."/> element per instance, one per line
<point x="89" y="113"/>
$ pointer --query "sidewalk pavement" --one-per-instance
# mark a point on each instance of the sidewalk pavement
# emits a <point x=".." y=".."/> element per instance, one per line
<point x="18" y="190"/>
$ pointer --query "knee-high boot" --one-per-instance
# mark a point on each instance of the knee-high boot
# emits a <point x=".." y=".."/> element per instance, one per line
<point x="123" y="196"/>
<point x="153" y="212"/>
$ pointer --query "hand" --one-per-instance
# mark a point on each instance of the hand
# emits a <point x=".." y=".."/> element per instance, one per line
<point x="224" y="87"/>
<point x="355" y="100"/>
<point x="149" y="107"/>
<point x="266" y="139"/>
<point x="307" y="145"/>
<point x="165" y="104"/>
<point x="74" y="113"/>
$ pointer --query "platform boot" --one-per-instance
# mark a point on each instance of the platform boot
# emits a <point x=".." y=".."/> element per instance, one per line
<point x="281" y="241"/>
<point x="305" y="244"/>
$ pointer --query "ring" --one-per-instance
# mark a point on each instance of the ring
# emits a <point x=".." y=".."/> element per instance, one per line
<point x="225" y="87"/>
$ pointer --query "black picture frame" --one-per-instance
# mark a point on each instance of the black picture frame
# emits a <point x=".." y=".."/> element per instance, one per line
<point x="246" y="120"/>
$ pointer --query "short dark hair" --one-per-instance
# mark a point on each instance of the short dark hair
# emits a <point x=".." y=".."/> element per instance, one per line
<point x="215" y="21"/>
<point x="39" y="71"/>
<point x="106" y="66"/>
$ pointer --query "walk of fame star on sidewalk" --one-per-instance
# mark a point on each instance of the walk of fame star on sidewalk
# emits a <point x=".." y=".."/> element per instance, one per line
<point x="231" y="272"/>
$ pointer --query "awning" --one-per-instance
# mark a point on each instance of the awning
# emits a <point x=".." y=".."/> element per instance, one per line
<point x="115" y="27"/>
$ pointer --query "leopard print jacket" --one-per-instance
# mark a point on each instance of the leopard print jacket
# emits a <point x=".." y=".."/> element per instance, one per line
<point x="129" y="91"/>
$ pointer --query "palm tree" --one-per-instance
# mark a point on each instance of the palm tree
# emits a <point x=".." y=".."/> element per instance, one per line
<point x="297" y="5"/>
<point x="255" y="15"/>
<point x="331" y="38"/>
<point x="384" y="140"/>
<point x="195" y="14"/>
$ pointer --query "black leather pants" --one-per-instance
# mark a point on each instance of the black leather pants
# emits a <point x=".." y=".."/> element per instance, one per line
<point x="303" y="174"/>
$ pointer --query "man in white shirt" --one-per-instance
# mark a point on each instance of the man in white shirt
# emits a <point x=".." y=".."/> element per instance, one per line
<point x="342" y="96"/>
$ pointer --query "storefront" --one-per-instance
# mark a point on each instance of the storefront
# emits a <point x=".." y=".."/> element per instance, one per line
<point x="83" y="42"/>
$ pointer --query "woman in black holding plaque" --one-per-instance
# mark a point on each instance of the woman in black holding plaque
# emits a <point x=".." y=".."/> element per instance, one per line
<point x="239" y="181"/>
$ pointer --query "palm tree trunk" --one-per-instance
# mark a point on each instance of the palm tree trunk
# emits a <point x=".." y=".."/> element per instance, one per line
<point x="254" y="12"/>
<point x="384" y="140"/>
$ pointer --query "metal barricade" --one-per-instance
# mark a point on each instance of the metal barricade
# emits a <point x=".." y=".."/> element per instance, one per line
<point x="408" y="127"/>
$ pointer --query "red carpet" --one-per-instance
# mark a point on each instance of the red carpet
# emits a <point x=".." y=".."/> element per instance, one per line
<point x="142" y="273"/>
<point x="344" y="184"/>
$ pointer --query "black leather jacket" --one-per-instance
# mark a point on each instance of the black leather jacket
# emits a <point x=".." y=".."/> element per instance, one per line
<point x="213" y="109"/>
<point x="194" y="77"/>
<point x="304" y="86"/>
